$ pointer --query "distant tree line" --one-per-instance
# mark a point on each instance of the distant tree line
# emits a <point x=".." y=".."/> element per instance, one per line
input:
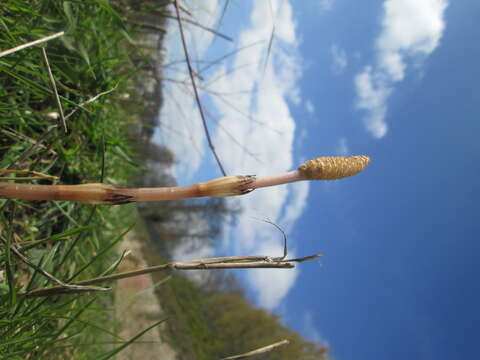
<point x="218" y="322"/>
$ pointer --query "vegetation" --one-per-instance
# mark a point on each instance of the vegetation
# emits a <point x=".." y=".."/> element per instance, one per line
<point x="92" y="64"/>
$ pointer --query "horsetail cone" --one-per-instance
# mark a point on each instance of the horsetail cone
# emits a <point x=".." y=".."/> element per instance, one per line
<point x="332" y="168"/>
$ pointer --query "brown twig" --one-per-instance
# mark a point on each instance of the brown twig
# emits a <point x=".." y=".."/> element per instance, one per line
<point x="258" y="351"/>
<point x="223" y="57"/>
<point x="31" y="43"/>
<point x="203" y="27"/>
<point x="197" y="97"/>
<point x="55" y="92"/>
<point x="229" y="262"/>
<point x="21" y="178"/>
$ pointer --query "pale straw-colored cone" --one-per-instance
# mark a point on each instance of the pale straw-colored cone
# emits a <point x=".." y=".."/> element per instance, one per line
<point x="332" y="168"/>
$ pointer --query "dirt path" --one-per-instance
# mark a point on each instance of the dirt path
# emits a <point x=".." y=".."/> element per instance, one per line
<point x="136" y="308"/>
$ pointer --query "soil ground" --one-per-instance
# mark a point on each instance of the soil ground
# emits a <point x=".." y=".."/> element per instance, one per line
<point x="137" y="307"/>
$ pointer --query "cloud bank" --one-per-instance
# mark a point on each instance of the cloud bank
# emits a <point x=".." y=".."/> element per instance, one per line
<point x="249" y="97"/>
<point x="411" y="30"/>
<point x="268" y="133"/>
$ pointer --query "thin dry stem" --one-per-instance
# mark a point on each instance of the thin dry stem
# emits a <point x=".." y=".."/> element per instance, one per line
<point x="31" y="43"/>
<point x="229" y="262"/>
<point x="206" y="28"/>
<point x="197" y="97"/>
<point x="21" y="178"/>
<point x="258" y="351"/>
<point x="92" y="99"/>
<point x="55" y="92"/>
<point x="35" y="175"/>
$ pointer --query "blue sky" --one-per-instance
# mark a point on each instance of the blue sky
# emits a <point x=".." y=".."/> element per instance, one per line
<point x="392" y="79"/>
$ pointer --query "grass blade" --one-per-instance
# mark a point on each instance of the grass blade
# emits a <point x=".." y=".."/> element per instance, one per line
<point x="132" y="340"/>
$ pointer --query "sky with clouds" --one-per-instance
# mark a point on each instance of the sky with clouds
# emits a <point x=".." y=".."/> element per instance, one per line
<point x="391" y="79"/>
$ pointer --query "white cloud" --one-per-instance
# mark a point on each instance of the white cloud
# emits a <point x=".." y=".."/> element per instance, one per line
<point x="255" y="134"/>
<point x="296" y="205"/>
<point x="271" y="141"/>
<point x="326" y="4"/>
<point x="342" y="147"/>
<point x="340" y="60"/>
<point x="411" y="30"/>
<point x="310" y="330"/>
<point x="309" y="107"/>
<point x="372" y="95"/>
<point x="274" y="283"/>
<point x="412" y="26"/>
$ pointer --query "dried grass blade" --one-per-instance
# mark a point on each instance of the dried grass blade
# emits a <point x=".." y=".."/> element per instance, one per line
<point x="31" y="43"/>
<point x="258" y="351"/>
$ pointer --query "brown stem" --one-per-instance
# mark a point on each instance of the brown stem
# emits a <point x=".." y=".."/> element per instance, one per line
<point x="280" y="179"/>
<point x="101" y="194"/>
<point x="194" y="86"/>
<point x="230" y="262"/>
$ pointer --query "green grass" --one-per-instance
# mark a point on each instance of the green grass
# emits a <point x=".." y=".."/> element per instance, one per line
<point x="70" y="241"/>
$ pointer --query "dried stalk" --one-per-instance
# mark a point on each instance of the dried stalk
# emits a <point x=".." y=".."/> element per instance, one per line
<point x="229" y="262"/>
<point x="203" y="27"/>
<point x="35" y="175"/>
<point x="63" y="124"/>
<point x="192" y="78"/>
<point x="95" y="98"/>
<point x="258" y="351"/>
<point x="31" y="43"/>
<point x="326" y="168"/>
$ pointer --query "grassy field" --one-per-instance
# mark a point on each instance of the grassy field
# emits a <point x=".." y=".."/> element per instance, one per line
<point x="42" y="242"/>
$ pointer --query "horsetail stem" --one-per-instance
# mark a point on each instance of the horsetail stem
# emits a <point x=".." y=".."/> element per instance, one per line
<point x="324" y="168"/>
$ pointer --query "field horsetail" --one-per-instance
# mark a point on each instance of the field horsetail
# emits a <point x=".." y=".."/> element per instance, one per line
<point x="322" y="168"/>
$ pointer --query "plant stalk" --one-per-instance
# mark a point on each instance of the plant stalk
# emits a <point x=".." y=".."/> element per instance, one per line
<point x="326" y="168"/>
